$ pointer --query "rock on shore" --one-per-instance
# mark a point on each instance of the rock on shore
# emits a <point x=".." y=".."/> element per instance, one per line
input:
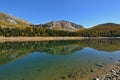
<point x="114" y="74"/>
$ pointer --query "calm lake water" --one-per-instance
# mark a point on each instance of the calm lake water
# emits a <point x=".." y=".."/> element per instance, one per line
<point x="56" y="60"/>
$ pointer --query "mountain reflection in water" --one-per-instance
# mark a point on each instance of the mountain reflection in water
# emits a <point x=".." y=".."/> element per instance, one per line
<point x="55" y="58"/>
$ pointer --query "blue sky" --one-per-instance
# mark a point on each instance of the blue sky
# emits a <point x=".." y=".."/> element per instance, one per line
<point x="85" y="12"/>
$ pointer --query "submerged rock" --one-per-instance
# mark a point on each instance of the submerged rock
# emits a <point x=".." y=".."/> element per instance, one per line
<point x="96" y="79"/>
<point x="63" y="77"/>
<point x="71" y="76"/>
<point x="99" y="65"/>
<point x="114" y="74"/>
<point x="92" y="70"/>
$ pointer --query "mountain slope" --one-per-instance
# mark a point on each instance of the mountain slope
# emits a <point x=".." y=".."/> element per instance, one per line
<point x="102" y="30"/>
<point x="11" y="21"/>
<point x="107" y="25"/>
<point x="61" y="25"/>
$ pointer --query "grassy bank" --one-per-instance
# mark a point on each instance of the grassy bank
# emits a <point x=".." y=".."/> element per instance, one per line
<point x="11" y="39"/>
<point x="5" y="39"/>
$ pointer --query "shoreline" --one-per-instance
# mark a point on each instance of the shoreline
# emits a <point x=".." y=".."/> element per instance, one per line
<point x="103" y="72"/>
<point x="112" y="73"/>
<point x="13" y="39"/>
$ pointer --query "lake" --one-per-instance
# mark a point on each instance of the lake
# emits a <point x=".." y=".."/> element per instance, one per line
<point x="57" y="60"/>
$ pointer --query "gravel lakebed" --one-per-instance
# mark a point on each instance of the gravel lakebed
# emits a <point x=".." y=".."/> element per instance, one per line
<point x="109" y="72"/>
<point x="112" y="73"/>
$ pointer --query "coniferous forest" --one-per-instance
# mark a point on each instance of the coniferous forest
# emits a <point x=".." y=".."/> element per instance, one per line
<point x="100" y="31"/>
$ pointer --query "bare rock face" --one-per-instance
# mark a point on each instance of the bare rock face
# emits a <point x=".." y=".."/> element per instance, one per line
<point x="7" y="20"/>
<point x="61" y="25"/>
<point x="11" y="21"/>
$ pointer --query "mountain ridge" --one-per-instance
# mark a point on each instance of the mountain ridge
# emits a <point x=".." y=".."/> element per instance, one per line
<point x="7" y="20"/>
<point x="110" y="24"/>
<point x="60" y="25"/>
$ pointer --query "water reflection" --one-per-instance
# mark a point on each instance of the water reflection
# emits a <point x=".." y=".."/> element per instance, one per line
<point x="55" y="59"/>
<point x="10" y="51"/>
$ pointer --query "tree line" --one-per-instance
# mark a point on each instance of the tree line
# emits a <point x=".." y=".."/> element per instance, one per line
<point x="101" y="31"/>
<point x="34" y="31"/>
<point x="113" y="31"/>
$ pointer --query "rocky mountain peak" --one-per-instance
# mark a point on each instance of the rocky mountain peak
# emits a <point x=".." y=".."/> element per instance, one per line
<point x="62" y="25"/>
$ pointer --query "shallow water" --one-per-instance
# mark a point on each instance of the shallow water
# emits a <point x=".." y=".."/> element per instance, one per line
<point x="56" y="60"/>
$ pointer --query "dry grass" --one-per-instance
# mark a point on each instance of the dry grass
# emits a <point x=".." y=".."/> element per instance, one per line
<point x="5" y="39"/>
